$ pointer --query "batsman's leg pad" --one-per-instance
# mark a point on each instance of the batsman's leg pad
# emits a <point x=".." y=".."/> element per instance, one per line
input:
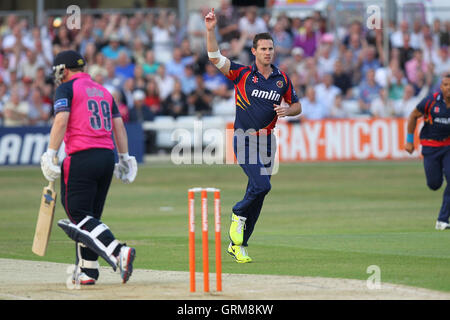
<point x="87" y="261"/>
<point x="93" y="234"/>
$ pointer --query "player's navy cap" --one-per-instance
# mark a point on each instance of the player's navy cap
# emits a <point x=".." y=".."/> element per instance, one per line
<point x="69" y="58"/>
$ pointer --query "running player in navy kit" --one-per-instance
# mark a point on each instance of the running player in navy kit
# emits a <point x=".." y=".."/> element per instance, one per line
<point x="259" y="91"/>
<point x="435" y="141"/>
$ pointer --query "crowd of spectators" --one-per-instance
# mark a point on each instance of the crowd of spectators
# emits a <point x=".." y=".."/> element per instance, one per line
<point x="154" y="66"/>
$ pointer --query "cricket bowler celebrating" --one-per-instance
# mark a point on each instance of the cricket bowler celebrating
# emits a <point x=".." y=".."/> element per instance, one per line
<point x="85" y="117"/>
<point x="435" y="141"/>
<point x="259" y="91"/>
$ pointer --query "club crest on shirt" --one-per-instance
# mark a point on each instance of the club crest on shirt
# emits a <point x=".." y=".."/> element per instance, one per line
<point x="280" y="84"/>
<point x="255" y="79"/>
<point x="436" y="109"/>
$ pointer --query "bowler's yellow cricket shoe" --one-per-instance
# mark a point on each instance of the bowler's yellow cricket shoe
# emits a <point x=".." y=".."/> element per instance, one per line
<point x="237" y="229"/>
<point x="239" y="253"/>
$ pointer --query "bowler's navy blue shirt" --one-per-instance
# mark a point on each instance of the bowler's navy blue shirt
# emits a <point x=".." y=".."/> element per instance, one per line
<point x="436" y="128"/>
<point x="255" y="96"/>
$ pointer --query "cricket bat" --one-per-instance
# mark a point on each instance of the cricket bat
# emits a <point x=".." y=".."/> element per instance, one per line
<point x="45" y="218"/>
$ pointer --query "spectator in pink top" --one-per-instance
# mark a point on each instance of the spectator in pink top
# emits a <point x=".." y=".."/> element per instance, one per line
<point x="414" y="65"/>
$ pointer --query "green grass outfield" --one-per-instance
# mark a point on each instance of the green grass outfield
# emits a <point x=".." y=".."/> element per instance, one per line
<point x="320" y="219"/>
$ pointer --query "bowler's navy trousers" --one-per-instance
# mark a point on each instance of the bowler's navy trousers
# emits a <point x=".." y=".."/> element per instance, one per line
<point x="436" y="161"/>
<point x="255" y="155"/>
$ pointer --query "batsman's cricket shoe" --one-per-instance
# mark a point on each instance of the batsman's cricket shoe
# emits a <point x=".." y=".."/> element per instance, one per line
<point x="237" y="229"/>
<point x="83" y="279"/>
<point x="239" y="253"/>
<point x="441" y="225"/>
<point x="125" y="262"/>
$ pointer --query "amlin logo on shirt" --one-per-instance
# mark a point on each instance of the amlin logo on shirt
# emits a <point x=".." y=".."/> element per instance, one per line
<point x="272" y="95"/>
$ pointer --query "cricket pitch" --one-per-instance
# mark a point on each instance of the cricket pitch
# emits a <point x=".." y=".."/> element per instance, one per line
<point x="38" y="280"/>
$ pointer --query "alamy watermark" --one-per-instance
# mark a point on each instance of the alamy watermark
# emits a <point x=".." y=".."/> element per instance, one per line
<point x="72" y="281"/>
<point x="373" y="20"/>
<point x="73" y="21"/>
<point x="197" y="145"/>
<point x="374" y="280"/>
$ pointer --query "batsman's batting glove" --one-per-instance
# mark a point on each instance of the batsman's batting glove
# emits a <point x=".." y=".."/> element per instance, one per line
<point x="50" y="170"/>
<point x="126" y="168"/>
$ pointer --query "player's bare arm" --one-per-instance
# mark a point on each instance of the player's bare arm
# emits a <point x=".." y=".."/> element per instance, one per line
<point x="221" y="62"/>
<point x="288" y="110"/>
<point x="58" y="130"/>
<point x="120" y="135"/>
<point x="411" y="127"/>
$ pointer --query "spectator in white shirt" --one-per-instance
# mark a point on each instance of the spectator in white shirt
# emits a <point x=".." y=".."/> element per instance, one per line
<point x="15" y="110"/>
<point x="196" y="30"/>
<point x="252" y="24"/>
<point x="298" y="60"/>
<point x="416" y="35"/>
<point x="397" y="36"/>
<point x="165" y="82"/>
<point x="12" y="39"/>
<point x="162" y="36"/>
<point x="30" y="64"/>
<point x="312" y="108"/>
<point x="337" y="110"/>
<point x="381" y="106"/>
<point x="326" y="92"/>
<point x="442" y="64"/>
<point x="403" y="107"/>
<point x="325" y="60"/>
<point x="430" y="51"/>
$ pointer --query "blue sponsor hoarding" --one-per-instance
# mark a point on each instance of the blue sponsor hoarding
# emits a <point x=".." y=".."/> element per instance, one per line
<point x="25" y="145"/>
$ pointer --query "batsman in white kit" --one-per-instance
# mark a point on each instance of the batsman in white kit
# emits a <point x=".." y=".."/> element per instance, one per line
<point x="86" y="115"/>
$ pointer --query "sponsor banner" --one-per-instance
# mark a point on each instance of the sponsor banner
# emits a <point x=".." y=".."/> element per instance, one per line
<point x="298" y="4"/>
<point x="25" y="145"/>
<point x="136" y="141"/>
<point x="338" y="140"/>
